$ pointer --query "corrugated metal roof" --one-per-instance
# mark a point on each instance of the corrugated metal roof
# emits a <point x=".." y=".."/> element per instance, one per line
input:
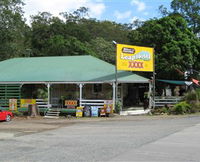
<point x="62" y="69"/>
<point x="177" y="82"/>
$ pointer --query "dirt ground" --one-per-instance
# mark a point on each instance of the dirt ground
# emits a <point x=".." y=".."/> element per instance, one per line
<point x="25" y="125"/>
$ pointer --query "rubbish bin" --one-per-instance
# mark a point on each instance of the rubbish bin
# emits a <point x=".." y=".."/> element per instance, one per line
<point x="87" y="111"/>
<point x="94" y="111"/>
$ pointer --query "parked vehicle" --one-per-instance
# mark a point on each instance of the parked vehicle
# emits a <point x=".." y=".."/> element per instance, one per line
<point x="6" y="115"/>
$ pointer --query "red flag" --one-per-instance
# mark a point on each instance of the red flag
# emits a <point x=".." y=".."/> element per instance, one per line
<point x="196" y="81"/>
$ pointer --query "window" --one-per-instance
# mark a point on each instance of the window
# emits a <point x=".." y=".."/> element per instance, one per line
<point x="97" y="88"/>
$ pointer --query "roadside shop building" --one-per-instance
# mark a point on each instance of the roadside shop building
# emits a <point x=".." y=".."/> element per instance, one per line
<point x="87" y="79"/>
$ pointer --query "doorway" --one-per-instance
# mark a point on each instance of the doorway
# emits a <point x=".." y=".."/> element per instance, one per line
<point x="134" y="95"/>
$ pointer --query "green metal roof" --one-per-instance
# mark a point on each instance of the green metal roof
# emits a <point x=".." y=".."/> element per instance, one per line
<point x="177" y="82"/>
<point x="63" y="69"/>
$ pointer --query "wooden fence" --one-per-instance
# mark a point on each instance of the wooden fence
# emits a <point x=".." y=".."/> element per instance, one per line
<point x="170" y="101"/>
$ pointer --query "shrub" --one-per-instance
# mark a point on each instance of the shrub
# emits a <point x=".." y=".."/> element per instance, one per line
<point x="118" y="107"/>
<point x="162" y="110"/>
<point x="42" y="93"/>
<point x="192" y="98"/>
<point x="195" y="107"/>
<point x="181" y="108"/>
<point x="17" y="113"/>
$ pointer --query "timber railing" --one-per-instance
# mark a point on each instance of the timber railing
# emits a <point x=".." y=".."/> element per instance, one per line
<point x="90" y="102"/>
<point x="169" y="101"/>
<point x="42" y="103"/>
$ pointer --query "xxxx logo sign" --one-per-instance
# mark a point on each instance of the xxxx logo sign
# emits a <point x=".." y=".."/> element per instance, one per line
<point x="135" y="64"/>
<point x="135" y="58"/>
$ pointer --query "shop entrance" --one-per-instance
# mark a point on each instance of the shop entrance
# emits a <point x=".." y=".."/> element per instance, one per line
<point x="134" y="96"/>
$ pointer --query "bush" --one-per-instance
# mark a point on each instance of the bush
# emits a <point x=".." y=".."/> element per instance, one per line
<point x="181" y="108"/>
<point x="118" y="107"/>
<point x="162" y="110"/>
<point x="42" y="93"/>
<point x="165" y="110"/>
<point x="17" y="113"/>
<point x="192" y="98"/>
<point x="195" y="107"/>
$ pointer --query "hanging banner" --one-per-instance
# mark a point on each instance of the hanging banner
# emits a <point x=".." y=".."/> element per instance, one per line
<point x="108" y="105"/>
<point x="13" y="104"/>
<point x="135" y="58"/>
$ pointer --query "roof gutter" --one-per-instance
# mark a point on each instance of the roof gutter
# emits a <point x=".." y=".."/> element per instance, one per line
<point x="69" y="82"/>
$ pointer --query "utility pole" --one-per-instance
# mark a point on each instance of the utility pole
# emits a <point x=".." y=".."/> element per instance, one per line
<point x="116" y="81"/>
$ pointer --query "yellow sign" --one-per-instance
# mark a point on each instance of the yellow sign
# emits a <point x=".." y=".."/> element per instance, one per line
<point x="135" y="58"/>
<point x="108" y="106"/>
<point x="26" y="102"/>
<point x="13" y="104"/>
<point x="79" y="111"/>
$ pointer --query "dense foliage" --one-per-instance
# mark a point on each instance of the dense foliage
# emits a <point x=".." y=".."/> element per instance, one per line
<point x="75" y="35"/>
<point x="175" y="44"/>
<point x="173" y="36"/>
<point x="13" y="29"/>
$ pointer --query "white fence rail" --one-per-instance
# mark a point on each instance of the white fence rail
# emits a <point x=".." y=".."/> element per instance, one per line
<point x="41" y="103"/>
<point x="162" y="101"/>
<point x="99" y="103"/>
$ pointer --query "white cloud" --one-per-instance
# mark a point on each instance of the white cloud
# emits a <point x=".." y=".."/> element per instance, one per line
<point x="99" y="0"/>
<point x="122" y="15"/>
<point x="136" y="18"/>
<point x="96" y="10"/>
<point x="32" y="7"/>
<point x="141" y="6"/>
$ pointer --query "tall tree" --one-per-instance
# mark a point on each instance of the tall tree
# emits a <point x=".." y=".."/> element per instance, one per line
<point x="53" y="36"/>
<point x="189" y="9"/>
<point x="175" y="45"/>
<point x="40" y="32"/>
<point x="103" y="49"/>
<point x="12" y="29"/>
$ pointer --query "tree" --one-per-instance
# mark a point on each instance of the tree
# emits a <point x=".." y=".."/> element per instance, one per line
<point x="53" y="36"/>
<point x="41" y="34"/>
<point x="104" y="50"/>
<point x="107" y="30"/>
<point x="175" y="45"/>
<point x="59" y="46"/>
<point x="12" y="29"/>
<point x="189" y="9"/>
<point x="77" y="15"/>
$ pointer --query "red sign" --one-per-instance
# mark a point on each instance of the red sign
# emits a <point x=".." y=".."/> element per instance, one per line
<point x="70" y="103"/>
<point x="136" y="64"/>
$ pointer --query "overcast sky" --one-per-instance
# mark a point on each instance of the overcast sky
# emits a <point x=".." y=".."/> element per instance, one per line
<point x="121" y="11"/>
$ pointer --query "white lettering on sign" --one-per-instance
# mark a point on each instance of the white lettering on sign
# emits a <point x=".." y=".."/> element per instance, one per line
<point x="128" y="50"/>
<point x="139" y="56"/>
